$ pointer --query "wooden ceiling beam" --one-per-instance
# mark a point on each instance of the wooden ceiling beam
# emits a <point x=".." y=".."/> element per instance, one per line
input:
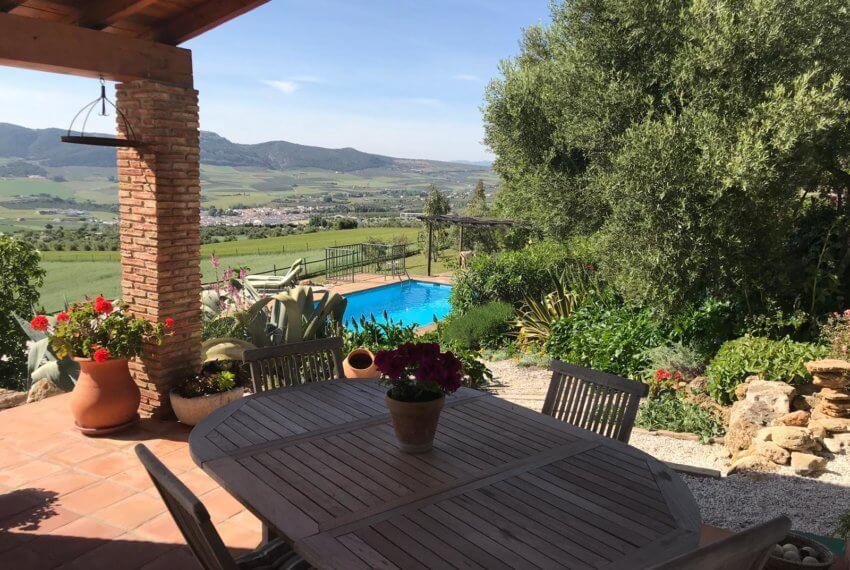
<point x="200" y="19"/>
<point x="102" y="13"/>
<point x="50" y="46"/>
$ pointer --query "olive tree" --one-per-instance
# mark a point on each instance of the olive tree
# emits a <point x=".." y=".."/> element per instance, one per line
<point x="21" y="276"/>
<point x="689" y="137"/>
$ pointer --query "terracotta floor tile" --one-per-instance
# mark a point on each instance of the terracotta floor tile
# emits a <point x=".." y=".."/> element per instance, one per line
<point x="238" y="538"/>
<point x="76" y="453"/>
<point x="131" y="512"/>
<point x="178" y="461"/>
<point x="177" y="559"/>
<point x="24" y="558"/>
<point x="18" y="500"/>
<point x="198" y="481"/>
<point x="23" y="473"/>
<point x="161" y="528"/>
<point x="109" y="464"/>
<point x="66" y="543"/>
<point x="9" y="457"/>
<point x="95" y="497"/>
<point x="136" y="478"/>
<point x="38" y="442"/>
<point x="246" y="519"/>
<point x="221" y="504"/>
<point x="132" y="552"/>
<point x="63" y="482"/>
<point x="38" y="521"/>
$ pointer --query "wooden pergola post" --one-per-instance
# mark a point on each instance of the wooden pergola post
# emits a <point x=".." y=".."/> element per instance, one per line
<point x="430" y="244"/>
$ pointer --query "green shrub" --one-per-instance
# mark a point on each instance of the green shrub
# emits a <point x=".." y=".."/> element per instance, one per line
<point x="610" y="339"/>
<point x="672" y="413"/>
<point x="780" y="360"/>
<point x="510" y="276"/>
<point x="706" y="326"/>
<point x="487" y="326"/>
<point x="375" y="335"/>
<point x="675" y="357"/>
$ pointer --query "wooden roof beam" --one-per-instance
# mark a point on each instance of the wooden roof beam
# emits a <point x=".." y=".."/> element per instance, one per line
<point x="200" y="19"/>
<point x="102" y="13"/>
<point x="49" y="46"/>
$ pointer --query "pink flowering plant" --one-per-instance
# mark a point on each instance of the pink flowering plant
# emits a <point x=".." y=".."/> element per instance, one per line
<point x="99" y="330"/>
<point x="835" y="334"/>
<point x="419" y="372"/>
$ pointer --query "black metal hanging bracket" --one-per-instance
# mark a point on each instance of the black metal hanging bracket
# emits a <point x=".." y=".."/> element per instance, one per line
<point x="98" y="140"/>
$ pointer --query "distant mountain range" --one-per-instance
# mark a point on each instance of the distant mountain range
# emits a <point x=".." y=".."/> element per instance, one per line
<point x="43" y="147"/>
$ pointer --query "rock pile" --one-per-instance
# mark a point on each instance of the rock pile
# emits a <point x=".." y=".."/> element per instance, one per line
<point x="831" y="404"/>
<point x="765" y="432"/>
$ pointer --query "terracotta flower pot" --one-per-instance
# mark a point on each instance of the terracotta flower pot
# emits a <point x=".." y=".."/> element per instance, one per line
<point x="415" y="423"/>
<point x="105" y="398"/>
<point x="191" y="411"/>
<point x="360" y="363"/>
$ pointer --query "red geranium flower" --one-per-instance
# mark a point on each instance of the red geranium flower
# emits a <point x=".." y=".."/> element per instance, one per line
<point x="101" y="355"/>
<point x="39" y="323"/>
<point x="62" y="318"/>
<point x="169" y="322"/>
<point x="102" y="306"/>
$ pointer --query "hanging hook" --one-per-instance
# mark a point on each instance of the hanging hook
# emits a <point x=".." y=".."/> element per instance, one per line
<point x="103" y="98"/>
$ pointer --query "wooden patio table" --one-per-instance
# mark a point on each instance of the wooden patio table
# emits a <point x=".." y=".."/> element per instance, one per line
<point x="504" y="487"/>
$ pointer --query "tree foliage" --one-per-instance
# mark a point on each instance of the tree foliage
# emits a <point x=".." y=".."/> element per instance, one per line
<point x="695" y="137"/>
<point x="21" y="276"/>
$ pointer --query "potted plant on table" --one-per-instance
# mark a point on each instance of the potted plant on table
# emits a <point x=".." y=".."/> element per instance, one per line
<point x="101" y="337"/>
<point x="419" y="377"/>
<point x="215" y="386"/>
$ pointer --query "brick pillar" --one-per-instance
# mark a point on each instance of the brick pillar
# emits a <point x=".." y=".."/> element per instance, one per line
<point x="160" y="199"/>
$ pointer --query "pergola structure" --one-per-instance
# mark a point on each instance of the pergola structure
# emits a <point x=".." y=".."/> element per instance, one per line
<point x="461" y="222"/>
<point x="134" y="42"/>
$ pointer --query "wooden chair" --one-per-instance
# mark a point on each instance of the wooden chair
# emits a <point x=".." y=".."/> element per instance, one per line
<point x="194" y="522"/>
<point x="602" y="403"/>
<point x="747" y="550"/>
<point x="295" y="363"/>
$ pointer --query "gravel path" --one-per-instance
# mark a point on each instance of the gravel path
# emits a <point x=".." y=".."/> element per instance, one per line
<point x="735" y="502"/>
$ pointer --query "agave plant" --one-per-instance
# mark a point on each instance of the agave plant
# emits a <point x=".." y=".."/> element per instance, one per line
<point x="42" y="362"/>
<point x="536" y="317"/>
<point x="294" y="316"/>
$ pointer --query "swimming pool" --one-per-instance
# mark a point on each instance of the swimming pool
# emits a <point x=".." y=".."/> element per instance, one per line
<point x="409" y="302"/>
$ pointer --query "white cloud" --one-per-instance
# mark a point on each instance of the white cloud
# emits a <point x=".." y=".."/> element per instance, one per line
<point x="308" y="79"/>
<point x="467" y="77"/>
<point x="287" y="87"/>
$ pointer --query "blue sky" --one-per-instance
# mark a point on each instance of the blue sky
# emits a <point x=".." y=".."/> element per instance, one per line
<point x="399" y="77"/>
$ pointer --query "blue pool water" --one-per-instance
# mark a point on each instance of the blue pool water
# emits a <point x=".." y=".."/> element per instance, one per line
<point x="410" y="302"/>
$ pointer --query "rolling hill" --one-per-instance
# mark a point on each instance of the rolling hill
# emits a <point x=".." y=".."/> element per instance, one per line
<point x="42" y="147"/>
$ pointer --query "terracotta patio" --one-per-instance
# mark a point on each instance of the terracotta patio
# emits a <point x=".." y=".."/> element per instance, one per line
<point x="70" y="501"/>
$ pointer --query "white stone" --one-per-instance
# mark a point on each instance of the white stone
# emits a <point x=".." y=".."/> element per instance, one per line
<point x="42" y="389"/>
<point x="806" y="463"/>
<point x="777" y="395"/>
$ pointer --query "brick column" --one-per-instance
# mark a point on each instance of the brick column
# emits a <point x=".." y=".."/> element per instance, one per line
<point x="160" y="199"/>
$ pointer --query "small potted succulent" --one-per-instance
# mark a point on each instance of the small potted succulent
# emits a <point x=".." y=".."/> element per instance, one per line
<point x="419" y="376"/>
<point x="215" y="386"/>
<point x="101" y="337"/>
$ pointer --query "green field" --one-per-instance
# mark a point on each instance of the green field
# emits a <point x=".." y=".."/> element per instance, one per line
<point x="76" y="274"/>
<point x="227" y="187"/>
